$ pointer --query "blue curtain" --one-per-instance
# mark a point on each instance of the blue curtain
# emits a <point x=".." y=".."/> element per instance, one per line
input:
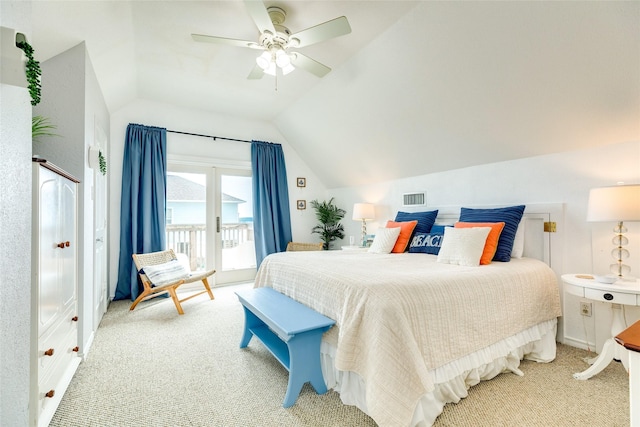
<point x="271" y="215"/>
<point x="143" y="202"/>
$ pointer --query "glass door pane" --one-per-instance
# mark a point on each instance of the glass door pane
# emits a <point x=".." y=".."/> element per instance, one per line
<point x="236" y="242"/>
<point x="186" y="227"/>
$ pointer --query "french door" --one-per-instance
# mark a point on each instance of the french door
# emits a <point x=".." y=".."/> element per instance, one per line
<point x="210" y="220"/>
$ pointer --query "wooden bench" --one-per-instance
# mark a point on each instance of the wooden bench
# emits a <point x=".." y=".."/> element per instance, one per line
<point x="291" y="331"/>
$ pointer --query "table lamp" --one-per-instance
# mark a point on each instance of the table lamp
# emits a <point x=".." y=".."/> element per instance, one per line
<point x="617" y="203"/>
<point x="363" y="212"/>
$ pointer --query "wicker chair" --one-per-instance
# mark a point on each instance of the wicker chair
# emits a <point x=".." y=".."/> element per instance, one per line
<point x="294" y="246"/>
<point x="151" y="291"/>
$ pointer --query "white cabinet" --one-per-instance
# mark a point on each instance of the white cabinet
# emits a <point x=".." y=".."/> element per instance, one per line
<point x="54" y="290"/>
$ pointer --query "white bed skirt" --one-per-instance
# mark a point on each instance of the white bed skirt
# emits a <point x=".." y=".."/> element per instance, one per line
<point x="452" y="380"/>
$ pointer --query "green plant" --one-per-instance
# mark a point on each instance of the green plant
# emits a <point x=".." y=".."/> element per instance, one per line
<point x="329" y="216"/>
<point x="102" y="163"/>
<point x="33" y="72"/>
<point x="41" y="126"/>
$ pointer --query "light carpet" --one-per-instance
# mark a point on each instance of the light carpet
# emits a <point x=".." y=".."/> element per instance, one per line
<point x="152" y="367"/>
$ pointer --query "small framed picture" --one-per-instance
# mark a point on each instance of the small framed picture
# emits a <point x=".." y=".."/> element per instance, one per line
<point x="302" y="182"/>
<point x="302" y="204"/>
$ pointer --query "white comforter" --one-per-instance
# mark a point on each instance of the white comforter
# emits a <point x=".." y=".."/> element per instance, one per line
<point x="400" y="316"/>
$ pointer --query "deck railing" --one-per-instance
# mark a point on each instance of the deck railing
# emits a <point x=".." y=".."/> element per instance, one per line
<point x="190" y="239"/>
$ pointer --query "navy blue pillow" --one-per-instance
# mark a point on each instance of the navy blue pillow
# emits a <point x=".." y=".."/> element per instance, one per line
<point x="425" y="220"/>
<point x="511" y="217"/>
<point x="428" y="243"/>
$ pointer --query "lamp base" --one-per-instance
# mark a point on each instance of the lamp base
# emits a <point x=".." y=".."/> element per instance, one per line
<point x="619" y="253"/>
<point x="364" y="233"/>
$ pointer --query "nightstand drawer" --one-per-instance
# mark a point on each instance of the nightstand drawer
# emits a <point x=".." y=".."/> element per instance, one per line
<point x="611" y="296"/>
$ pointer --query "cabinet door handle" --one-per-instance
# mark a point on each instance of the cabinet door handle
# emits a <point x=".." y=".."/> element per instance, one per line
<point x="60" y="245"/>
<point x="50" y="393"/>
<point x="49" y="352"/>
<point x="67" y="244"/>
<point x="74" y="318"/>
<point x="76" y="349"/>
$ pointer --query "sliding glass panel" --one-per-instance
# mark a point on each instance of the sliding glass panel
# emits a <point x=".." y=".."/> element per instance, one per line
<point x="186" y="226"/>
<point x="236" y="232"/>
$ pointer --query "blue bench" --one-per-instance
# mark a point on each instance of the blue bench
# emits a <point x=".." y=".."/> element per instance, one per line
<point x="291" y="331"/>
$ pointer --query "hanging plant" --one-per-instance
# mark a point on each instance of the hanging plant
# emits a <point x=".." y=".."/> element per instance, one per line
<point x="102" y="163"/>
<point x="33" y="72"/>
<point x="41" y="126"/>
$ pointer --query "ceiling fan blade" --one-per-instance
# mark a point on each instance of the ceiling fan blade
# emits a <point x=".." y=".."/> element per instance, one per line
<point x="224" y="40"/>
<point x="256" y="73"/>
<point x="311" y="65"/>
<point x="321" y="32"/>
<point x="260" y="16"/>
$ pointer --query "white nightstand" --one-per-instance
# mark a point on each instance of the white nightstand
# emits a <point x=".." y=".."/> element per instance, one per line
<point x="355" y="248"/>
<point x="620" y="293"/>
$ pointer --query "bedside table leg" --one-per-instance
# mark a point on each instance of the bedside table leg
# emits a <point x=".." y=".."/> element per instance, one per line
<point x="611" y="350"/>
<point x="601" y="362"/>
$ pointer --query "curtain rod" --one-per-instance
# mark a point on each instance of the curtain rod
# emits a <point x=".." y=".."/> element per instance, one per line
<point x="208" y="136"/>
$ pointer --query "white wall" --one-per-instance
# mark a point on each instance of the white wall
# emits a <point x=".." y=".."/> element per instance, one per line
<point x="557" y="178"/>
<point x="15" y="227"/>
<point x="73" y="101"/>
<point x="198" y="150"/>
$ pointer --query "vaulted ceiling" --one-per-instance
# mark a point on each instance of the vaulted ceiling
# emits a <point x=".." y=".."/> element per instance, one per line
<point x="417" y="87"/>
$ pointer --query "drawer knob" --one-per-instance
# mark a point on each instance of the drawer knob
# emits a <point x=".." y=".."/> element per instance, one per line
<point x="48" y="352"/>
<point x="50" y="393"/>
<point x="74" y="318"/>
<point x="608" y="297"/>
<point x="76" y="349"/>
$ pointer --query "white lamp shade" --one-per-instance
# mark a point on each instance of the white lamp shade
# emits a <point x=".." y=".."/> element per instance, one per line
<point x="264" y="60"/>
<point x="615" y="203"/>
<point x="363" y="211"/>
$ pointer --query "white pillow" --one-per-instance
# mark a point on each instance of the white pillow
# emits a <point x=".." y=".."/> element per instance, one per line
<point x="385" y="240"/>
<point x="166" y="273"/>
<point x="463" y="246"/>
<point x="518" y="241"/>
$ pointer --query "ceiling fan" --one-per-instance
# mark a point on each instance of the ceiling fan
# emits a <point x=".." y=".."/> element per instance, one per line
<point x="275" y="41"/>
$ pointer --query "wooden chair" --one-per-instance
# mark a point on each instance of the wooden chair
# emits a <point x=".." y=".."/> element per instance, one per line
<point x="151" y="291"/>
<point x="294" y="246"/>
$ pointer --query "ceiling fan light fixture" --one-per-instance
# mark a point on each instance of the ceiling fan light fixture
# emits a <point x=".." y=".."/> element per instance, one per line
<point x="264" y="60"/>
<point x="282" y="59"/>
<point x="271" y="69"/>
<point x="286" y="70"/>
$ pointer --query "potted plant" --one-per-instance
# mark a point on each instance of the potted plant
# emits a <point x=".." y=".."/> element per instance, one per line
<point x="329" y="216"/>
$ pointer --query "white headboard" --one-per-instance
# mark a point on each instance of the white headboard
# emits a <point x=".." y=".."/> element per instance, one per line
<point x="537" y="243"/>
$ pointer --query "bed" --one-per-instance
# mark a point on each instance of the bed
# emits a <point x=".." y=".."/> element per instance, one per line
<point x="413" y="334"/>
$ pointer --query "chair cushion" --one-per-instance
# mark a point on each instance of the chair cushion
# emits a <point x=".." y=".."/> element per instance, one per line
<point x="165" y="273"/>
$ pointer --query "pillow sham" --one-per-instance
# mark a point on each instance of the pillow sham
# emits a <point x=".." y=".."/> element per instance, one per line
<point x="406" y="230"/>
<point x="165" y="273"/>
<point x="491" y="243"/>
<point x="511" y="217"/>
<point x="425" y="220"/>
<point x="384" y="240"/>
<point x="428" y="243"/>
<point x="518" y="241"/>
<point x="463" y="246"/>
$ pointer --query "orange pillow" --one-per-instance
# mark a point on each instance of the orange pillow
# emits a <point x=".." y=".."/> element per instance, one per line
<point x="406" y="229"/>
<point x="491" y="244"/>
